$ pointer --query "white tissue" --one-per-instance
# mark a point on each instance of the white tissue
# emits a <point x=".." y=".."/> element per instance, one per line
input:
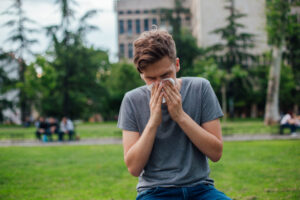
<point x="149" y="87"/>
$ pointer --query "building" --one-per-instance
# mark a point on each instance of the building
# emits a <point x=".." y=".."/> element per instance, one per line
<point x="210" y="15"/>
<point x="136" y="16"/>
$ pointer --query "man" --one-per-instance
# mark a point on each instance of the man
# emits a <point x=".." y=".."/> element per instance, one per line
<point x="53" y="127"/>
<point x="167" y="144"/>
<point x="66" y="127"/>
<point x="42" y="129"/>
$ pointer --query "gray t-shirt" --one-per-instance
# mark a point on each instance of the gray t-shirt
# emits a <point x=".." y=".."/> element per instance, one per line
<point x="174" y="160"/>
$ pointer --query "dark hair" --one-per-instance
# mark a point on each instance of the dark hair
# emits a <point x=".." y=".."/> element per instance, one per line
<point x="152" y="46"/>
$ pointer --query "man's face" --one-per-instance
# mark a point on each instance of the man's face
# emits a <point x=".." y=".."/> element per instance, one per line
<point x="162" y="69"/>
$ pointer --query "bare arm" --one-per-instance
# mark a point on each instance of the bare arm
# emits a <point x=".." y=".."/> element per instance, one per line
<point x="137" y="149"/>
<point x="208" y="138"/>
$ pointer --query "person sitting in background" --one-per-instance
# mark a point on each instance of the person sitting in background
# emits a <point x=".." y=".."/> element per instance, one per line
<point x="288" y="121"/>
<point x="66" y="127"/>
<point x="42" y="129"/>
<point x="53" y="127"/>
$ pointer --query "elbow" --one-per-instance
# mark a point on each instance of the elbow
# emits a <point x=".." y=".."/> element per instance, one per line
<point x="218" y="153"/>
<point x="216" y="157"/>
<point x="134" y="172"/>
<point x="132" y="169"/>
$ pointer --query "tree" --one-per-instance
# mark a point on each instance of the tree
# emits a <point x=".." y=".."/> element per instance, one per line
<point x="76" y="73"/>
<point x="21" y="44"/>
<point x="186" y="44"/>
<point x="292" y="55"/>
<point x="122" y="78"/>
<point x="277" y="28"/>
<point x="6" y="82"/>
<point x="232" y="54"/>
<point x="88" y="96"/>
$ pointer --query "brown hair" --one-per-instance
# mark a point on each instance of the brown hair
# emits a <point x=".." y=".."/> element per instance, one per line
<point x="152" y="46"/>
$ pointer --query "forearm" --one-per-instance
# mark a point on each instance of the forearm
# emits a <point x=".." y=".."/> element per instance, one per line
<point x="206" y="142"/>
<point x="138" y="155"/>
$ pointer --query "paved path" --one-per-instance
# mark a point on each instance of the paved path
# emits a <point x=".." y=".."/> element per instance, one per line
<point x="105" y="141"/>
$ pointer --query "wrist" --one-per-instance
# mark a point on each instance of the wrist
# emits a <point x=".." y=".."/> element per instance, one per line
<point x="181" y="118"/>
<point x="152" y="124"/>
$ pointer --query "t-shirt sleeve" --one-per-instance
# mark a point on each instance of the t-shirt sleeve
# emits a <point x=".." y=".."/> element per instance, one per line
<point x="126" y="119"/>
<point x="210" y="107"/>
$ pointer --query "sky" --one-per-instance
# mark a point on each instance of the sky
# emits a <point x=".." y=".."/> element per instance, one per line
<point x="45" y="13"/>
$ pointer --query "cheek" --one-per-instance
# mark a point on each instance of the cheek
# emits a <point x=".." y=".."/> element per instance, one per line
<point x="149" y="82"/>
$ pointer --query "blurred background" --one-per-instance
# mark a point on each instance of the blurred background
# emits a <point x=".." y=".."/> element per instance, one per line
<point x="74" y="58"/>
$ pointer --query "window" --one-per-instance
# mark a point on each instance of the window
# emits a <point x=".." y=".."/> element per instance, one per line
<point x="137" y="26"/>
<point x="129" y="12"/>
<point x="154" y="11"/>
<point x="130" y="50"/>
<point x="146" y="25"/>
<point x="121" y="26"/>
<point x="154" y="21"/>
<point x="121" y="50"/>
<point x="146" y="11"/>
<point x="121" y="12"/>
<point x="129" y="26"/>
<point x="137" y="12"/>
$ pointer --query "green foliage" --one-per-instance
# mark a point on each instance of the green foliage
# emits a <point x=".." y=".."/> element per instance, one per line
<point x="86" y="93"/>
<point x="186" y="44"/>
<point x="122" y="78"/>
<point x="7" y="82"/>
<point x="207" y="68"/>
<point x="187" y="51"/>
<point x="21" y="42"/>
<point x="277" y="21"/>
<point x="287" y="89"/>
<point x="292" y="54"/>
<point x="237" y="43"/>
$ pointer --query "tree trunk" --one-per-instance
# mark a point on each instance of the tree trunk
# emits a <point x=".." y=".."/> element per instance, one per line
<point x="224" y="102"/>
<point x="272" y="104"/>
<point x="253" y="110"/>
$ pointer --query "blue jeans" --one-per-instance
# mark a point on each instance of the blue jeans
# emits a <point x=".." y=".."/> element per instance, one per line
<point x="199" y="192"/>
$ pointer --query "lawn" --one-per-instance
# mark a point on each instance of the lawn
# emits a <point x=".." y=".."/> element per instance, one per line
<point x="248" y="170"/>
<point x="109" y="129"/>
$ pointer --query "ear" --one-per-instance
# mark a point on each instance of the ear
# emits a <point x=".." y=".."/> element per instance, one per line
<point x="177" y="64"/>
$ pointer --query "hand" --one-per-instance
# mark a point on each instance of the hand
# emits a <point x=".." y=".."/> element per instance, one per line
<point x="173" y="100"/>
<point x="155" y="104"/>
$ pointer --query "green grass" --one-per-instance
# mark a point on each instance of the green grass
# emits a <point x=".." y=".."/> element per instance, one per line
<point x="248" y="170"/>
<point x="109" y="129"/>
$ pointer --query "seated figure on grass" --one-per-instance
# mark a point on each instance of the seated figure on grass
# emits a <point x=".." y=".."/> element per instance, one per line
<point x="66" y="128"/>
<point x="41" y="132"/>
<point x="170" y="126"/>
<point x="291" y="121"/>
<point x="53" y="128"/>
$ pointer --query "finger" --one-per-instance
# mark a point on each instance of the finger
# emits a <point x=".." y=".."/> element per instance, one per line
<point x="157" y="93"/>
<point x="169" y="92"/>
<point x="173" y="87"/>
<point x="168" y="100"/>
<point x="153" y="89"/>
<point x="160" y="98"/>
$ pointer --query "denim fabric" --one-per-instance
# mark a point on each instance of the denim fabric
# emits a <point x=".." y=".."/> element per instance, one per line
<point x="199" y="192"/>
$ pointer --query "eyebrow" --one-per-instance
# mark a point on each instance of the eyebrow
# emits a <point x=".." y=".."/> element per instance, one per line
<point x="160" y="75"/>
